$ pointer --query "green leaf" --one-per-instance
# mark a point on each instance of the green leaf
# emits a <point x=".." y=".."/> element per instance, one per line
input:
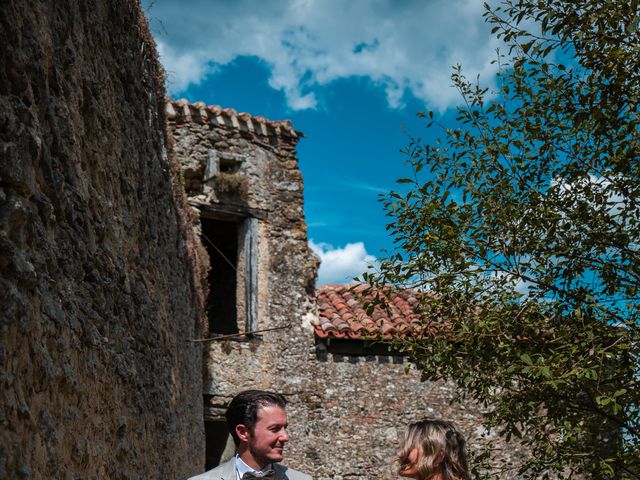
<point x="524" y="230"/>
<point x="526" y="359"/>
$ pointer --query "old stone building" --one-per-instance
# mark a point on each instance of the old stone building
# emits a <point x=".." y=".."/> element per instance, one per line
<point x="349" y="400"/>
<point x="372" y="392"/>
<point x="242" y="178"/>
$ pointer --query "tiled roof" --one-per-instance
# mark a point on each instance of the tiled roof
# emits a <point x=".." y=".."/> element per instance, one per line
<point x="181" y="112"/>
<point x="341" y="313"/>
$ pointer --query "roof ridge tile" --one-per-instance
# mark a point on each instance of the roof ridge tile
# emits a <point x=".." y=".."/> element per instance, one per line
<point x="182" y="112"/>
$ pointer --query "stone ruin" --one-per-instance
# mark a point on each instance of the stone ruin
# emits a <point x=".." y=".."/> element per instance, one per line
<point x="242" y="180"/>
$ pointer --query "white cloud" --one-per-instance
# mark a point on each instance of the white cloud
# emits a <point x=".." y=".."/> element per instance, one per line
<point x="340" y="265"/>
<point x="402" y="46"/>
<point x="185" y="69"/>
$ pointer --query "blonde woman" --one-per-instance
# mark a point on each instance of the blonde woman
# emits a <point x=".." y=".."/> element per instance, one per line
<point x="433" y="450"/>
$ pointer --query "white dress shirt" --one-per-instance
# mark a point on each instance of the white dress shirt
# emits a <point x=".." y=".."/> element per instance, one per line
<point x="242" y="468"/>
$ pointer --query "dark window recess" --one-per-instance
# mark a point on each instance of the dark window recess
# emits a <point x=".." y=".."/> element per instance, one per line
<point x="221" y="241"/>
<point x="227" y="166"/>
<point x="217" y="436"/>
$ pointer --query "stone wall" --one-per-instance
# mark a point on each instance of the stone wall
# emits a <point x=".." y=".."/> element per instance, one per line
<point x="354" y="412"/>
<point x="98" y="298"/>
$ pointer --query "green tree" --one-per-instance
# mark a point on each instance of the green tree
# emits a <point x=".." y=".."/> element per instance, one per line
<point x="523" y="224"/>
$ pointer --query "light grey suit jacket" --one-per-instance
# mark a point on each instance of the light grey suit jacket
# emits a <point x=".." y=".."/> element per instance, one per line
<point x="227" y="471"/>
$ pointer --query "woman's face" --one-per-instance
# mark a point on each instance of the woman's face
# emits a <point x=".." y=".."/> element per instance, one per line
<point x="411" y="469"/>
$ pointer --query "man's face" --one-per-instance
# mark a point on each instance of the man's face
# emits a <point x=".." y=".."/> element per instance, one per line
<point x="265" y="443"/>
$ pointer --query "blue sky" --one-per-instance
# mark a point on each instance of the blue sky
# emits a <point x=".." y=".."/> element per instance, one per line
<point x="350" y="75"/>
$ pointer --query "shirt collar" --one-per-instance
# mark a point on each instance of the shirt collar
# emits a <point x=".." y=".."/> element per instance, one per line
<point x="242" y="468"/>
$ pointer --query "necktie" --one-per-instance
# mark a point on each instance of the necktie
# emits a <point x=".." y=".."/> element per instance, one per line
<point x="268" y="475"/>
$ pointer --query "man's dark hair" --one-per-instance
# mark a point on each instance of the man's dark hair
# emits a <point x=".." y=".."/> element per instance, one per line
<point x="243" y="409"/>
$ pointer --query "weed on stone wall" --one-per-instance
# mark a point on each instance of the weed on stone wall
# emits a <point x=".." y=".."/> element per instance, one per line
<point x="231" y="185"/>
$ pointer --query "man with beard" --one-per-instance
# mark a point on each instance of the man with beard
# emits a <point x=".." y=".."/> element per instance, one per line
<point x="258" y="424"/>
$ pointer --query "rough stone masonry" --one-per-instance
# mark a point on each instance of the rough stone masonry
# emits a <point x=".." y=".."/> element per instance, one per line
<point x="98" y="295"/>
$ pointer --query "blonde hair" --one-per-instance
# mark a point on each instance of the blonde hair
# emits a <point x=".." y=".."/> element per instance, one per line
<point x="442" y="447"/>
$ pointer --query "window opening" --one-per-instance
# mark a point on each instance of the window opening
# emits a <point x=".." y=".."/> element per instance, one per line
<point x="227" y="166"/>
<point x="221" y="241"/>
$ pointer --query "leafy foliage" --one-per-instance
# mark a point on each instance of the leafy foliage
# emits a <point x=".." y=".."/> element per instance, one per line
<point x="524" y="223"/>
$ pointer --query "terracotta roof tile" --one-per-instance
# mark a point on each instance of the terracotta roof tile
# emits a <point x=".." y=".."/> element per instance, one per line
<point x="342" y="313"/>
<point x="182" y="112"/>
